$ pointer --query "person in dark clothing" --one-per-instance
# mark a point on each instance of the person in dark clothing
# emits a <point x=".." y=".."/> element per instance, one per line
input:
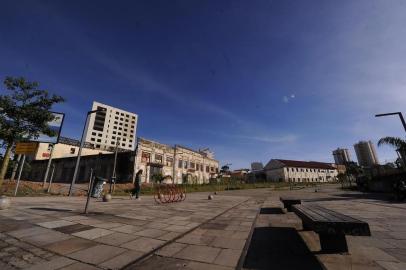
<point x="137" y="186"/>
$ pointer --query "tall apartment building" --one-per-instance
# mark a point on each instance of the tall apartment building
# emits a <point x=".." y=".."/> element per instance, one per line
<point x="341" y="156"/>
<point x="366" y="153"/>
<point x="107" y="128"/>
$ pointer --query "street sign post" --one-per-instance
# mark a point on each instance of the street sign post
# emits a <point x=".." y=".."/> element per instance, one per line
<point x="26" y="148"/>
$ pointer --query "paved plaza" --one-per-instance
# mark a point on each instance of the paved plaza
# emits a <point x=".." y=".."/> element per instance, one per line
<point x="244" y="229"/>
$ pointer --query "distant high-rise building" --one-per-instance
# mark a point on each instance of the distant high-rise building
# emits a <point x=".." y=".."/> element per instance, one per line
<point x="113" y="126"/>
<point x="366" y="153"/>
<point x="341" y="156"/>
<point x="257" y="166"/>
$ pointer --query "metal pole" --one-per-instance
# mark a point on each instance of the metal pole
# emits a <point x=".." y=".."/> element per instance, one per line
<point x="51" y="178"/>
<point x="13" y="174"/>
<point x="403" y="120"/>
<point x="113" y="178"/>
<point x="89" y="190"/>
<point x="78" y="158"/>
<point x="49" y="163"/>
<point x="19" y="175"/>
<point x="174" y="164"/>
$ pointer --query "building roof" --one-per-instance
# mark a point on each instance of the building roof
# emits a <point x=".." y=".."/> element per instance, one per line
<point x="306" y="164"/>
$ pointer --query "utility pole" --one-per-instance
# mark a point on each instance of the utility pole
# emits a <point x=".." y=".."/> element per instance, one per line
<point x="51" y="149"/>
<point x="82" y="141"/>
<point x="113" y="177"/>
<point x="13" y="174"/>
<point x="19" y="175"/>
<point x="174" y="164"/>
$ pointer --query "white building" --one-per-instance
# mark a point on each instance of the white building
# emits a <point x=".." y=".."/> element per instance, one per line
<point x="280" y="170"/>
<point x="113" y="126"/>
<point x="176" y="162"/>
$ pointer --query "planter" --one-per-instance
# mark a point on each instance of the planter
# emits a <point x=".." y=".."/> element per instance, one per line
<point x="107" y="197"/>
<point x="210" y="197"/>
<point x="4" y="202"/>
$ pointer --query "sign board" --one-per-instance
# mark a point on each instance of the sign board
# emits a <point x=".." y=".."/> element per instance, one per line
<point x="26" y="148"/>
<point x="56" y="126"/>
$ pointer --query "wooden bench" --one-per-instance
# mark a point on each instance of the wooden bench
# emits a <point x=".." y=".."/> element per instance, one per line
<point x="331" y="226"/>
<point x="288" y="202"/>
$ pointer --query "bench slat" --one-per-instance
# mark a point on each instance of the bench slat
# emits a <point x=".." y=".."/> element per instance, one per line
<point x="322" y="220"/>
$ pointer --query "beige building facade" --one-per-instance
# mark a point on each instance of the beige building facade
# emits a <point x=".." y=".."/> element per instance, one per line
<point x="64" y="149"/>
<point x="179" y="163"/>
<point x="280" y="170"/>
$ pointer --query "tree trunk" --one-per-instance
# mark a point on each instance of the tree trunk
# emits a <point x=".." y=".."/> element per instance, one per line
<point x="4" y="165"/>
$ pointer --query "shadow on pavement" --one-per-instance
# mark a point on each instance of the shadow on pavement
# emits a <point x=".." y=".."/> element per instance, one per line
<point x="51" y="209"/>
<point x="271" y="211"/>
<point x="371" y="196"/>
<point x="279" y="248"/>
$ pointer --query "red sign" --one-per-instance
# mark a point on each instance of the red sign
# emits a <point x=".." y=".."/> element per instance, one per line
<point x="45" y="154"/>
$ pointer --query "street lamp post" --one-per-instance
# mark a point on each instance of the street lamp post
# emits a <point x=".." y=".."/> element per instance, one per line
<point x="80" y="150"/>
<point x="394" y="113"/>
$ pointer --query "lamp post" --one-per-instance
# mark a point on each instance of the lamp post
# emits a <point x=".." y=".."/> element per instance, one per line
<point x="394" y="113"/>
<point x="80" y="149"/>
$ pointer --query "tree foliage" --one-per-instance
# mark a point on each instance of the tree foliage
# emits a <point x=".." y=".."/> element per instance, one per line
<point x="24" y="114"/>
<point x="393" y="141"/>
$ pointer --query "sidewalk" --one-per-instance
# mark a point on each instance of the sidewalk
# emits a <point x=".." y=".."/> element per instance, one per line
<point x="51" y="233"/>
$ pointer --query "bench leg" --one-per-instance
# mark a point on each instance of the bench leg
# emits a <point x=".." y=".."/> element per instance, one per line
<point x="335" y="243"/>
<point x="288" y="207"/>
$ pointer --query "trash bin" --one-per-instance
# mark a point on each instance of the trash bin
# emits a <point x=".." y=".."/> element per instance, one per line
<point x="98" y="187"/>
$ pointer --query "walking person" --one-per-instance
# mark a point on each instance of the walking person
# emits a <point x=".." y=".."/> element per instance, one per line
<point x="137" y="186"/>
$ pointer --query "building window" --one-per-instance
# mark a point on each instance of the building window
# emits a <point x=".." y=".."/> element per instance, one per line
<point x="113" y="143"/>
<point x="130" y="146"/>
<point x="98" y="140"/>
<point x="113" y="137"/>
<point x="97" y="145"/>
<point x="124" y="139"/>
<point x="158" y="158"/>
<point x="116" y="117"/>
<point x="121" y="119"/>
<point x="211" y="169"/>
<point x="217" y="170"/>
<point x="123" y="144"/>
<point x="93" y="133"/>
<point x="100" y="135"/>
<point x="180" y="163"/>
<point x="92" y="139"/>
<point x="133" y="117"/>
<point x="201" y="167"/>
<point x="145" y="157"/>
<point x="185" y="164"/>
<point x="117" y="112"/>
<point x="114" y="132"/>
<point x="72" y="150"/>
<point x="192" y="165"/>
<point x="169" y="161"/>
<point x="207" y="169"/>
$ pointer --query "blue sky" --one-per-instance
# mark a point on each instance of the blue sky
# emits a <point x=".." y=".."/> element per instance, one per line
<point x="252" y="80"/>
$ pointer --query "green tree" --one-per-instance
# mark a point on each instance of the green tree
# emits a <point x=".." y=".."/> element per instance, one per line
<point x="24" y="114"/>
<point x="397" y="143"/>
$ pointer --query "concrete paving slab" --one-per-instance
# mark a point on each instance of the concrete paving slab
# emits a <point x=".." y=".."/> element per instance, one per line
<point x="116" y="238"/>
<point x="171" y="249"/>
<point x="70" y="245"/>
<point x="55" y="224"/>
<point x="97" y="254"/>
<point x="143" y="244"/>
<point x="56" y="263"/>
<point x="198" y="253"/>
<point x="228" y="257"/>
<point x="122" y="260"/>
<point x="93" y="233"/>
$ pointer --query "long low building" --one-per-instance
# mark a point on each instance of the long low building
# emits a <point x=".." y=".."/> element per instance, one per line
<point x="180" y="163"/>
<point x="281" y="170"/>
